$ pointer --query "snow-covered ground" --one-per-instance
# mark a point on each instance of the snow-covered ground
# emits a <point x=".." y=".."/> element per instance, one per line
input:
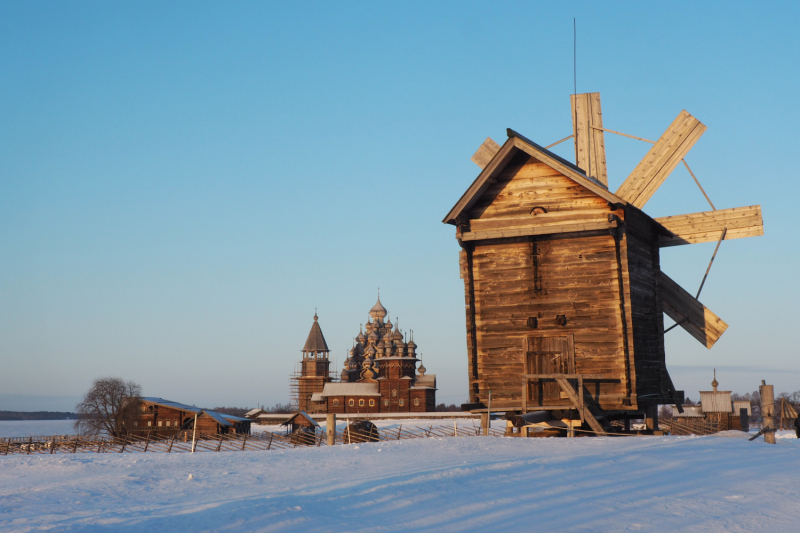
<point x="718" y="483"/>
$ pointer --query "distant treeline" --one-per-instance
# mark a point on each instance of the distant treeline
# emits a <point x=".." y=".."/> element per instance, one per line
<point x="37" y="415"/>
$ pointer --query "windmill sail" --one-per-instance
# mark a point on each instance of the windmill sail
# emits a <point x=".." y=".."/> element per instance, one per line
<point x="686" y="310"/>
<point x="590" y="148"/>
<point x="708" y="225"/>
<point x="661" y="160"/>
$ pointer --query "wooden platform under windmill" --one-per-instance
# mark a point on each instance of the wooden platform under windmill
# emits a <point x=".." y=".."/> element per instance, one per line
<point x="564" y="292"/>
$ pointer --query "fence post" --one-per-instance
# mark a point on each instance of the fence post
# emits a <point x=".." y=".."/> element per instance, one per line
<point x="330" y="428"/>
<point x="147" y="442"/>
<point x="194" y="434"/>
<point x="399" y="431"/>
<point x="75" y="447"/>
<point x="244" y="441"/>
<point x="174" y="436"/>
<point x="767" y="394"/>
<point x="271" y="435"/>
<point x="124" y="442"/>
<point x="30" y="444"/>
<point x="485" y="424"/>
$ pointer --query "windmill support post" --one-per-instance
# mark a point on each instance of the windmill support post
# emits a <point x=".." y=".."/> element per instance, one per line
<point x="767" y="394"/>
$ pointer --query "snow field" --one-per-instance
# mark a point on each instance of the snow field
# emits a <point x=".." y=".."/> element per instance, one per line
<point x="443" y="484"/>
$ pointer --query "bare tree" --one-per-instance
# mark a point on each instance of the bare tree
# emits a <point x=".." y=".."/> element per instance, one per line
<point x="110" y="406"/>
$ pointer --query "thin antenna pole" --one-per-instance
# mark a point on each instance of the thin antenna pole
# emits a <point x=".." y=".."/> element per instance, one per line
<point x="575" y="84"/>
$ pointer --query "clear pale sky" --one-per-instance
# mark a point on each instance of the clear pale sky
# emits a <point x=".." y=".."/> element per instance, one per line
<point x="182" y="184"/>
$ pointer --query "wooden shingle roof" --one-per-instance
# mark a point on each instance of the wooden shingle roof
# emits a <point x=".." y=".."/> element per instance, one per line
<point x="316" y="341"/>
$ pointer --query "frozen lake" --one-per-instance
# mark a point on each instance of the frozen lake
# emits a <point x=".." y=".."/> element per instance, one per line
<point x="24" y="428"/>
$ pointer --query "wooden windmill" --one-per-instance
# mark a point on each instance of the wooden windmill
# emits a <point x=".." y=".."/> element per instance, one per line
<point x="563" y="287"/>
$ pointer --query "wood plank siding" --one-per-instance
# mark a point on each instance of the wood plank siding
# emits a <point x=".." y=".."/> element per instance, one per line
<point x="595" y="286"/>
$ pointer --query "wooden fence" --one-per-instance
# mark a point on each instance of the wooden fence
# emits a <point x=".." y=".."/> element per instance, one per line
<point x="689" y="426"/>
<point x="181" y="442"/>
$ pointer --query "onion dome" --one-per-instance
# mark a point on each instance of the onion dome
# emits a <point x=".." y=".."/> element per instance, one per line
<point x="345" y="376"/>
<point x="353" y="364"/>
<point x="378" y="311"/>
<point x="370" y="350"/>
<point x="388" y="324"/>
<point x="361" y="338"/>
<point x="397" y="336"/>
<point x="373" y="336"/>
<point x="347" y="362"/>
<point x="421" y="369"/>
<point x="715" y="383"/>
<point x="412" y="345"/>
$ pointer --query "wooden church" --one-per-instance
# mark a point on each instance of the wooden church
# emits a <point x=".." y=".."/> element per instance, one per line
<point x="563" y="287"/>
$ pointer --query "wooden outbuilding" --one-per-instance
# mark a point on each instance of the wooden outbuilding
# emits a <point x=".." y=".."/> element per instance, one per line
<point x="158" y="416"/>
<point x="563" y="285"/>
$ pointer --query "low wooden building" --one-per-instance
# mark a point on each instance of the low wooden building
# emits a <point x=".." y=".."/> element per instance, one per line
<point x="160" y="417"/>
<point x="563" y="286"/>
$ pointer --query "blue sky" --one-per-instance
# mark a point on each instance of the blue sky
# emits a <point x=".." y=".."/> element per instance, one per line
<point x="182" y="184"/>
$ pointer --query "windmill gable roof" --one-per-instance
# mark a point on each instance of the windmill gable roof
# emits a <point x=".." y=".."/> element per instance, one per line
<point x="316" y="341"/>
<point x="518" y="143"/>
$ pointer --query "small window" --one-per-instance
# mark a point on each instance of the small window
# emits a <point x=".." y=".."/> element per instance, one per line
<point x="144" y="408"/>
<point x="149" y="422"/>
<point x="416" y="401"/>
<point x="394" y="393"/>
<point x="160" y="423"/>
<point x="351" y="403"/>
<point x="169" y="423"/>
<point x="372" y="403"/>
<point x="386" y="403"/>
<point x="361" y="403"/>
<point x="402" y="403"/>
<point x="336" y="403"/>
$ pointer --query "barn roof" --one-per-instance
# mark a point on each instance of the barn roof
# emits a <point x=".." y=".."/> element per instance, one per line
<point x="716" y="401"/>
<point x="519" y="143"/>
<point x="350" y="389"/>
<point x="171" y="405"/>
<point x="316" y="341"/>
<point x="299" y="413"/>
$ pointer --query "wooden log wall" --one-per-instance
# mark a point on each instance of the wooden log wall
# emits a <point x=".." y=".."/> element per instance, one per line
<point x="581" y="276"/>
<point x="643" y="265"/>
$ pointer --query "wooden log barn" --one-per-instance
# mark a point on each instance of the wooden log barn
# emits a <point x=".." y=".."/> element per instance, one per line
<point x="563" y="287"/>
<point x="160" y="417"/>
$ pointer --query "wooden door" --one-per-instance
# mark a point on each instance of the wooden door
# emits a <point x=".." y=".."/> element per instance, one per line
<point x="548" y="355"/>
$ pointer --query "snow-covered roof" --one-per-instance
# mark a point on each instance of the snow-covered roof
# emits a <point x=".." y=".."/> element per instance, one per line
<point x="317" y="397"/>
<point x="300" y="413"/>
<point x="689" y="411"/>
<point x="350" y="389"/>
<point x="253" y="412"/>
<point x="172" y="405"/>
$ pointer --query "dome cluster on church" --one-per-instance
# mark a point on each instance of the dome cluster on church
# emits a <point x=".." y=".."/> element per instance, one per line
<point x="382" y="342"/>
